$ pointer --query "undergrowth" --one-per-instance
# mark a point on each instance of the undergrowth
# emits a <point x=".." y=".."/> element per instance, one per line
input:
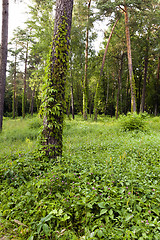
<point x="106" y="185"/>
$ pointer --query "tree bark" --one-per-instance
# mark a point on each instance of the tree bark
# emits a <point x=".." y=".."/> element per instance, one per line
<point x="144" y="80"/>
<point x="72" y="101"/>
<point x="14" y="85"/>
<point x="32" y="101"/>
<point x="85" y="82"/>
<point x="130" y="67"/>
<point x="157" y="89"/>
<point x="54" y="103"/>
<point x="24" y="83"/>
<point x="3" y="57"/>
<point x="119" y="85"/>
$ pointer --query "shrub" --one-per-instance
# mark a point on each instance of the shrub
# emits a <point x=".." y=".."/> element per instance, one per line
<point x="133" y="122"/>
<point x="35" y="123"/>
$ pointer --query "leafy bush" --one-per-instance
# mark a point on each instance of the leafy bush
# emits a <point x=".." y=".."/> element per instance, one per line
<point x="133" y="122"/>
<point x="35" y="123"/>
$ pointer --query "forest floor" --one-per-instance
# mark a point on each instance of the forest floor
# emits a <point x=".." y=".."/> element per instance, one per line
<point x="106" y="185"/>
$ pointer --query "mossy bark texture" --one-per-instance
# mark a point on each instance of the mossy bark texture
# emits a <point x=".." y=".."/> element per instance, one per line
<point x="53" y="100"/>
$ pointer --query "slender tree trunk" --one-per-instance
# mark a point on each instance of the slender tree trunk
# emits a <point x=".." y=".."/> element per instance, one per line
<point x="72" y="96"/>
<point x="3" y="57"/>
<point x="130" y="67"/>
<point x="107" y="96"/>
<point x="85" y="82"/>
<point x="32" y="101"/>
<point x="54" y="102"/>
<point x="157" y="89"/>
<point x="127" y="95"/>
<point x="72" y="101"/>
<point x="106" y="49"/>
<point x="103" y="61"/>
<point x="119" y="86"/>
<point x="24" y="83"/>
<point x="14" y="85"/>
<point x="144" y="80"/>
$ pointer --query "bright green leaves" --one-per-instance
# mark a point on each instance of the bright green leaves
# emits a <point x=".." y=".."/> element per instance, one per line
<point x="53" y="101"/>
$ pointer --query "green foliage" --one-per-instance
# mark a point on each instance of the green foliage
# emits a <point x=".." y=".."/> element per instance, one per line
<point x="35" y="122"/>
<point x="53" y="102"/>
<point x="133" y="121"/>
<point x="106" y="186"/>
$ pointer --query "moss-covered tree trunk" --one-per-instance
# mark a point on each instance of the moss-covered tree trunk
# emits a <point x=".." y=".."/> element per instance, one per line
<point x="54" y="102"/>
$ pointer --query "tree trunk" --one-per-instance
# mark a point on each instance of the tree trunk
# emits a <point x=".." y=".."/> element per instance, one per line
<point x="106" y="49"/>
<point x="130" y="67"/>
<point x="3" y="57"/>
<point x="24" y="83"/>
<point x="32" y="101"/>
<point x="144" y="80"/>
<point x="72" y="101"/>
<point x="119" y="85"/>
<point x="14" y="85"/>
<point x="85" y="82"/>
<point x="107" y="96"/>
<point x="54" y="102"/>
<point x="103" y="61"/>
<point x="157" y="89"/>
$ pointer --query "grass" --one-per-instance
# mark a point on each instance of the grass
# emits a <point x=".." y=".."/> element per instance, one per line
<point x="106" y="185"/>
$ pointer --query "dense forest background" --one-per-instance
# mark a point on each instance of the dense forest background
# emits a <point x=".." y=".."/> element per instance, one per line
<point x="87" y="87"/>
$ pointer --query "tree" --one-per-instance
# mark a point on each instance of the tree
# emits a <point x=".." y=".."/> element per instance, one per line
<point x="130" y="66"/>
<point x="13" y="65"/>
<point x="103" y="61"/>
<point x="41" y="23"/>
<point x="53" y="98"/>
<point x="3" y="57"/>
<point x="85" y="82"/>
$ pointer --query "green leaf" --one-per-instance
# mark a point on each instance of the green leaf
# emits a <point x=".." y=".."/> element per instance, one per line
<point x="66" y="217"/>
<point x="31" y="237"/>
<point x="103" y="211"/>
<point x="89" y="205"/>
<point x="128" y="217"/>
<point x="144" y="235"/>
<point x="46" y="229"/>
<point x="39" y="228"/>
<point x="53" y="212"/>
<point x="58" y="195"/>
<point x="60" y="212"/>
<point x="122" y="190"/>
<point x="102" y="204"/>
<point x="100" y="233"/>
<point x="47" y="218"/>
<point x="110" y="212"/>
